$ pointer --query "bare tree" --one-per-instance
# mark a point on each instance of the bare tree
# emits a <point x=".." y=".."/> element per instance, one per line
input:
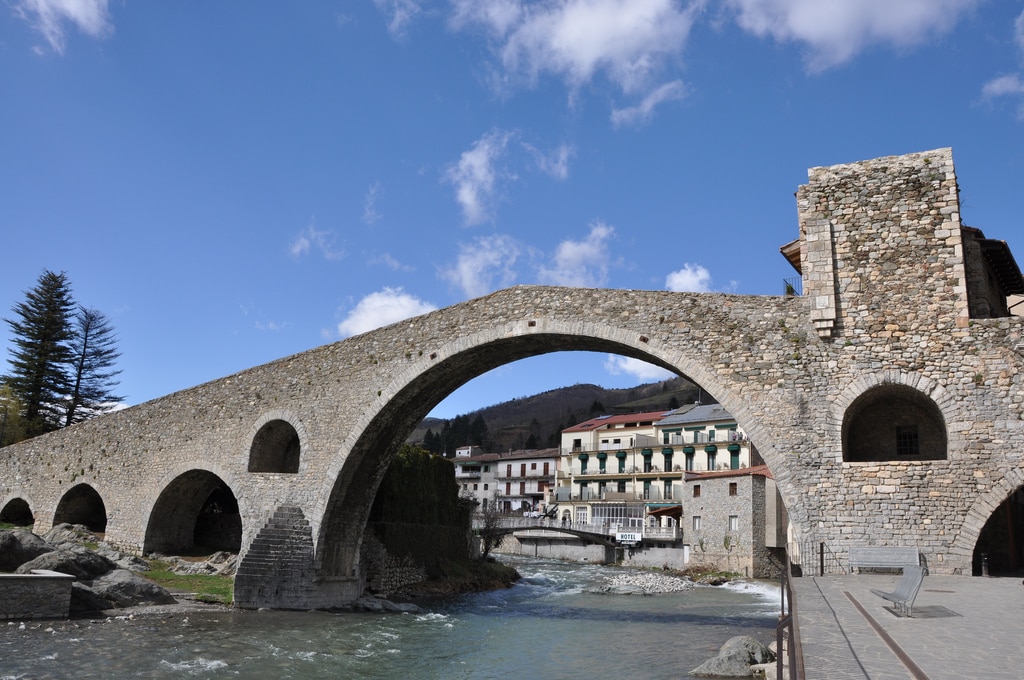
<point x="491" y="533"/>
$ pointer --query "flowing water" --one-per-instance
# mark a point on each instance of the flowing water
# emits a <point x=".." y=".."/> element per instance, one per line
<point x="544" y="627"/>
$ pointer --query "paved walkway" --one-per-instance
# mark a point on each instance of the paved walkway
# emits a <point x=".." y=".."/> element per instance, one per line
<point x="962" y="628"/>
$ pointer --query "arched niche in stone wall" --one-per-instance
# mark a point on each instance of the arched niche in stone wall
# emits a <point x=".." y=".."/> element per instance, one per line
<point x="196" y="513"/>
<point x="1000" y="547"/>
<point x="18" y="513"/>
<point x="82" y="505"/>
<point x="275" y="448"/>
<point x="893" y="422"/>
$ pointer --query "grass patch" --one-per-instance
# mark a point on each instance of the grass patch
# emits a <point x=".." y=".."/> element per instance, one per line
<point x="207" y="587"/>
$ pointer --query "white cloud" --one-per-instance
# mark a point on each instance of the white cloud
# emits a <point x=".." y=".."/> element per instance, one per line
<point x="312" y="238"/>
<point x="391" y="263"/>
<point x="1004" y="85"/>
<point x="627" y="40"/>
<point x="399" y="14"/>
<point x="384" y="307"/>
<point x="1018" y="31"/>
<point x="48" y="17"/>
<point x="487" y="260"/>
<point x="581" y="263"/>
<point x="475" y="176"/>
<point x="692" y="278"/>
<point x="837" y="30"/>
<point x="642" y="112"/>
<point x="555" y="163"/>
<point x="619" y="365"/>
<point x="370" y="214"/>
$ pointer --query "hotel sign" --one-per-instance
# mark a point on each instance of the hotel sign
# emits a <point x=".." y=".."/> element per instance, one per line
<point x="628" y="536"/>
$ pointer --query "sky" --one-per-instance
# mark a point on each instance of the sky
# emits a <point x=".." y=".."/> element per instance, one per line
<point x="232" y="183"/>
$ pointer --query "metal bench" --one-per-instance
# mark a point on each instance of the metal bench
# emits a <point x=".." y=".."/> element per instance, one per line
<point x="883" y="557"/>
<point x="906" y="590"/>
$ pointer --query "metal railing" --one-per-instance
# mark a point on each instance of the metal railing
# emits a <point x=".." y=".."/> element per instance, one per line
<point x="604" y="528"/>
<point x="787" y="632"/>
<point x="815" y="558"/>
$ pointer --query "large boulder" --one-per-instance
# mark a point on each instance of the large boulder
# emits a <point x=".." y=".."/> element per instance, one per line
<point x="735" y="658"/>
<point x="123" y="588"/>
<point x="18" y="546"/>
<point x="66" y="535"/>
<point x="84" y="599"/>
<point x="80" y="562"/>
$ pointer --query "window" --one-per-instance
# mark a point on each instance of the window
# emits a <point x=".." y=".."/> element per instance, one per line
<point x="733" y="489"/>
<point x="734" y="523"/>
<point x="474" y="487"/>
<point x="711" y="435"/>
<point x="485" y="487"/>
<point x="487" y="468"/>
<point x="522" y="469"/>
<point x="533" y="466"/>
<point x="712" y="458"/>
<point x="668" y="489"/>
<point x="485" y="504"/>
<point x="696" y="522"/>
<point x="893" y="422"/>
<point x="622" y="486"/>
<point x="696" y="490"/>
<point x="689" y="461"/>
<point x="907" y="443"/>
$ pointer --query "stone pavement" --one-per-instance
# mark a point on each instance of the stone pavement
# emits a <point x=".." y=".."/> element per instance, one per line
<point x="962" y="628"/>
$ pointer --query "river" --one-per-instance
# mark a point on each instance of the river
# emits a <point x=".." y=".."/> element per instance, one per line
<point x="546" y="626"/>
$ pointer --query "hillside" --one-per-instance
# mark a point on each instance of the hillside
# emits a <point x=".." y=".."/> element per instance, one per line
<point x="537" y="421"/>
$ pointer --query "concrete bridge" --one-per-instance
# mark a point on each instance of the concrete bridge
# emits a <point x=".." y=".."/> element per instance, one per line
<point x="886" y="399"/>
<point x="604" y="534"/>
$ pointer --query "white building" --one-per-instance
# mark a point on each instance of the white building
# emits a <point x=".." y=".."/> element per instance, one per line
<point x="518" y="481"/>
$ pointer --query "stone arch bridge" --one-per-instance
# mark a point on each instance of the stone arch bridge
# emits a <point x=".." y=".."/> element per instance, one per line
<point x="886" y="398"/>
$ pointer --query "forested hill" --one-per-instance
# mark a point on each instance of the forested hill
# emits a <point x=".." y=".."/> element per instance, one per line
<point x="537" y="421"/>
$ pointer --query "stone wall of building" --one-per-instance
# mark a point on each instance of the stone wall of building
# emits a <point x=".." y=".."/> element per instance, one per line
<point x="885" y="304"/>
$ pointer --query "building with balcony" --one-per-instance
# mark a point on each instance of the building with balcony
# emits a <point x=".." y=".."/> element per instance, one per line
<point x="518" y="481"/>
<point x="646" y="473"/>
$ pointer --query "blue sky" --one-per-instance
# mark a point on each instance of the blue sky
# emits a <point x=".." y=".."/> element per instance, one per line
<point x="231" y="183"/>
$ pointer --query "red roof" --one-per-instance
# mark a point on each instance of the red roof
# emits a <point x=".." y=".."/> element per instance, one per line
<point x="603" y="421"/>
<point x="758" y="470"/>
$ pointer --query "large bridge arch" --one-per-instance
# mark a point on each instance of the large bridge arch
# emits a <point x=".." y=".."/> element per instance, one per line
<point x="358" y="467"/>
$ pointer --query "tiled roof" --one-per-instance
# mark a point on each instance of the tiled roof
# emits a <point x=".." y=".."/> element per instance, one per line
<point x="756" y="471"/>
<point x="702" y="413"/>
<point x="605" y="421"/>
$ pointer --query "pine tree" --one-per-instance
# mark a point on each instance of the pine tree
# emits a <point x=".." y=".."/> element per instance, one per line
<point x="92" y="378"/>
<point x="41" y="352"/>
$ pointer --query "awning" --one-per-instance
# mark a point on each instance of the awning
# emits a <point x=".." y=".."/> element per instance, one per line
<point x="620" y="454"/>
<point x="583" y="456"/>
<point x="710" y="448"/>
<point x="664" y="510"/>
<point x="647" y="453"/>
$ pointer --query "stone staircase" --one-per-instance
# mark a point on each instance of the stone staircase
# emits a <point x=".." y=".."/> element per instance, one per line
<point x="277" y="570"/>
